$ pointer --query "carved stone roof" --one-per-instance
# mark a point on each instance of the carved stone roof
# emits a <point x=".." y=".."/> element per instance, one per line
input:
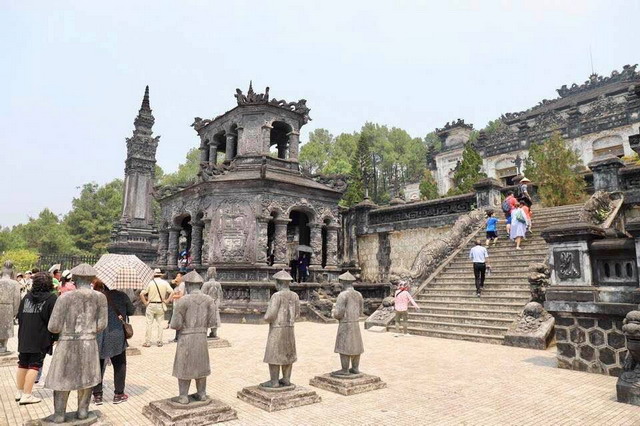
<point x="591" y="89"/>
<point x="454" y="124"/>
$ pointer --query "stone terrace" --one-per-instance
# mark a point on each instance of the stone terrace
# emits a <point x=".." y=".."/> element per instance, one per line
<point x="430" y="381"/>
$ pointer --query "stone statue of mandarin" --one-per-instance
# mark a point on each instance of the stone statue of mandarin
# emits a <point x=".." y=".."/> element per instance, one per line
<point x="347" y="310"/>
<point x="9" y="304"/>
<point x="283" y="309"/>
<point x="77" y="317"/>
<point x="214" y="289"/>
<point x="193" y="315"/>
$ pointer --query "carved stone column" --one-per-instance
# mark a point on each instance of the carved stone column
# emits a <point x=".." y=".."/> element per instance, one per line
<point x="280" y="243"/>
<point x="204" y="152"/>
<point x="196" y="243"/>
<point x="266" y="138"/>
<point x="206" y="230"/>
<point x="488" y="193"/>
<point x="230" y="148"/>
<point x="294" y="142"/>
<point x="213" y="152"/>
<point x="172" y="248"/>
<point x="332" y="247"/>
<point x="316" y="245"/>
<point x="262" y="241"/>
<point x="163" y="242"/>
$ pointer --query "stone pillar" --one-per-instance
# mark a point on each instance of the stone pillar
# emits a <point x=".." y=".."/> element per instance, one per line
<point x="266" y="138"/>
<point x="204" y="153"/>
<point x="488" y="193"/>
<point x="294" y="142"/>
<point x="605" y="173"/>
<point x="262" y="241"/>
<point x="280" y="243"/>
<point x="213" y="152"/>
<point x="230" y="148"/>
<point x="172" y="248"/>
<point x="206" y="230"/>
<point x="634" y="142"/>
<point x="332" y="247"/>
<point x="162" y="248"/>
<point x="196" y="243"/>
<point x="316" y="245"/>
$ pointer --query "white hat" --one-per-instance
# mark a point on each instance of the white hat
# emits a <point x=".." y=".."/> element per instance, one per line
<point x="66" y="274"/>
<point x="55" y="267"/>
<point x="157" y="272"/>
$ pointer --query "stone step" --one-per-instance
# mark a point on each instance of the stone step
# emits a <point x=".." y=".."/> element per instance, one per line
<point x="471" y="291"/>
<point x="469" y="279"/>
<point x="485" y="298"/>
<point x="460" y="328"/>
<point x="488" y="313"/>
<point x="521" y="261"/>
<point x="461" y="319"/>
<point x="471" y="285"/>
<point x="467" y="272"/>
<point x="473" y="337"/>
<point x="474" y="303"/>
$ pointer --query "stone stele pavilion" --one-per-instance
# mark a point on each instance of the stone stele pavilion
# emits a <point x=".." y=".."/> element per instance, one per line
<point x="251" y="207"/>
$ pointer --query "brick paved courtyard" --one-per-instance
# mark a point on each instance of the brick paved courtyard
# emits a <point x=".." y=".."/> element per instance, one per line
<point x="430" y="381"/>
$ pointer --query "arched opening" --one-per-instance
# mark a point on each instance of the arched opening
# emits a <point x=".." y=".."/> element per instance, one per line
<point x="279" y="139"/>
<point x="218" y="148"/>
<point x="184" y="242"/>
<point x="298" y="244"/>
<point x="271" y="237"/>
<point x="608" y="145"/>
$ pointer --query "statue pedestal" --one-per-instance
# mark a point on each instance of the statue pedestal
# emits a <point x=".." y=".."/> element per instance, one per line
<point x="217" y="343"/>
<point x="133" y="350"/>
<point x="274" y="399"/>
<point x="94" y="418"/>
<point x="8" y="359"/>
<point x="628" y="391"/>
<point x="349" y="384"/>
<point x="166" y="412"/>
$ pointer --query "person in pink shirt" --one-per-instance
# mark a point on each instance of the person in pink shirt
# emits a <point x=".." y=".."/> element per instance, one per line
<point x="66" y="284"/>
<point x="402" y="300"/>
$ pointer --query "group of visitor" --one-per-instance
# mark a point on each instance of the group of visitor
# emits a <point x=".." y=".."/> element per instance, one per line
<point x="35" y="341"/>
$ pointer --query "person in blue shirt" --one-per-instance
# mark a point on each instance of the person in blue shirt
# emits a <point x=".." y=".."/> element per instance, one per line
<point x="492" y="229"/>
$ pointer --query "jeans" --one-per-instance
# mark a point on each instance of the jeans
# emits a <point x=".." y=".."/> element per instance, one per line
<point x="404" y="317"/>
<point x="154" y="315"/>
<point x="479" y="270"/>
<point x="119" y="363"/>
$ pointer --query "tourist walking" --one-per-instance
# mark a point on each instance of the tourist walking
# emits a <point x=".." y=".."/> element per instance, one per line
<point x="112" y="343"/>
<point x="508" y="206"/>
<point x="66" y="284"/>
<point x="303" y="268"/>
<point x="492" y="228"/>
<point x="155" y="297"/>
<point x="402" y="300"/>
<point x="478" y="255"/>
<point x="519" y="225"/>
<point x="523" y="192"/>
<point x="34" y="339"/>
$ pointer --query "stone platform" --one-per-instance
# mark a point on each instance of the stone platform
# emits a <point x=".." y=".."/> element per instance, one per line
<point x="275" y="399"/>
<point x="348" y="384"/>
<point x="218" y="343"/>
<point x="94" y="418"/>
<point x="167" y="412"/>
<point x="9" y="359"/>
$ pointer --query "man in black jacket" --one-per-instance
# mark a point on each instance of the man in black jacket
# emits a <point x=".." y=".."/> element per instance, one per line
<point x="34" y="338"/>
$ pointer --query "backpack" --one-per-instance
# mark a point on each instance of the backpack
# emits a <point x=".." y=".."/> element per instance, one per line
<point x="520" y="216"/>
<point x="506" y="206"/>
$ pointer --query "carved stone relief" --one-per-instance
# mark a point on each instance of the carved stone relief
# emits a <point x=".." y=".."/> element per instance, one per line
<point x="234" y="229"/>
<point x="567" y="264"/>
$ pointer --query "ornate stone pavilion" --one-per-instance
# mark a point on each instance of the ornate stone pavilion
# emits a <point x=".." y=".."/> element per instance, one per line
<point x="596" y="118"/>
<point x="251" y="208"/>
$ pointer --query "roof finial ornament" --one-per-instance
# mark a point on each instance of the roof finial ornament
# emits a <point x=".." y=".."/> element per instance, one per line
<point x="145" y="100"/>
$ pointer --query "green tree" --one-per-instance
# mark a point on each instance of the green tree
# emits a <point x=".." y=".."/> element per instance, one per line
<point x="428" y="186"/>
<point x="341" y="153"/>
<point x="360" y="172"/>
<point x="468" y="171"/>
<point x="10" y="240"/>
<point x="315" y="154"/>
<point x="186" y="173"/>
<point x="46" y="234"/>
<point x="555" y="168"/>
<point x="23" y="259"/>
<point x="93" y="214"/>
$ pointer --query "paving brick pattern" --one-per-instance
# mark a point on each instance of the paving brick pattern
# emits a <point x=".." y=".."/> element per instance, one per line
<point x="429" y="381"/>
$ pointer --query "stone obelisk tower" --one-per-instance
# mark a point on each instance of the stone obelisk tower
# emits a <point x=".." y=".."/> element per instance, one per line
<point x="135" y="233"/>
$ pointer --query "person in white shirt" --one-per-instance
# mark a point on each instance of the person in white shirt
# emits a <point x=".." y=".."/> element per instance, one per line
<point x="478" y="256"/>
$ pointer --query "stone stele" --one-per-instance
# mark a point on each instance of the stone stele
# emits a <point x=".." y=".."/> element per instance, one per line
<point x="348" y="380"/>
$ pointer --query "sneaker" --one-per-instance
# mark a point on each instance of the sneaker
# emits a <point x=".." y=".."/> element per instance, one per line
<point x="29" y="399"/>
<point x="97" y="399"/>
<point x="146" y="345"/>
<point x="119" y="398"/>
<point x="477" y="294"/>
<point x="18" y="395"/>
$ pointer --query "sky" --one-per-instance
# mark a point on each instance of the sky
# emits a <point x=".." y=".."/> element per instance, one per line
<point x="73" y="72"/>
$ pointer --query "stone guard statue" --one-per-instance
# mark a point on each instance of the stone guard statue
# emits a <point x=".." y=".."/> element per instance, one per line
<point x="193" y="315"/>
<point x="77" y="317"/>
<point x="280" y="353"/>
<point x="348" y="309"/>
<point x="214" y="289"/>
<point x="9" y="304"/>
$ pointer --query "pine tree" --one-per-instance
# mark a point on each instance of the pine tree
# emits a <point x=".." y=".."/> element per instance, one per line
<point x="468" y="171"/>
<point x="428" y="186"/>
<point x="555" y="168"/>
<point x="360" y="172"/>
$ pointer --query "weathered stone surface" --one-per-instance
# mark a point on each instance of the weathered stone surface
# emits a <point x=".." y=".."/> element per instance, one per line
<point x="533" y="329"/>
<point x="94" y="418"/>
<point x="166" y="412"/>
<point x="9" y="303"/>
<point x="278" y="398"/>
<point x="348" y="385"/>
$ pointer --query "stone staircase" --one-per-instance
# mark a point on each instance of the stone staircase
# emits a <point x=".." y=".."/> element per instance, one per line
<point x="449" y="306"/>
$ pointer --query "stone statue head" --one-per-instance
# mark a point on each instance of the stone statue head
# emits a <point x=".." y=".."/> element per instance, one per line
<point x="192" y="281"/>
<point x="211" y="273"/>
<point x="346" y="280"/>
<point x="283" y="279"/>
<point x="83" y="275"/>
<point x="7" y="270"/>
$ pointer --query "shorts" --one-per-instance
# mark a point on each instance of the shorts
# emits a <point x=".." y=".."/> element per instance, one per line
<point x="492" y="235"/>
<point x="30" y="360"/>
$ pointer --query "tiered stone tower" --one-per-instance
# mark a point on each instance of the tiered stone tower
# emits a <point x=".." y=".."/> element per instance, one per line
<point x="135" y="232"/>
